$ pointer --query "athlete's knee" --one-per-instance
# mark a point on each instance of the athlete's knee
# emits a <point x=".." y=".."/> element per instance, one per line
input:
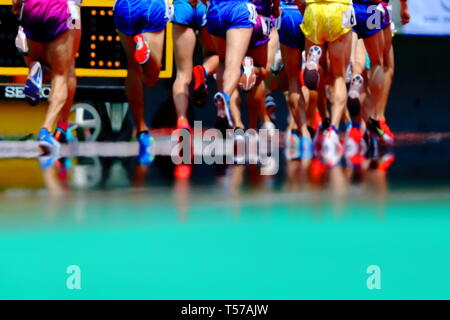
<point x="184" y="77"/>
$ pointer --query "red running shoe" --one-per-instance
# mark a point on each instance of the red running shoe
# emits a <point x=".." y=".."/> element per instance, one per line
<point x="200" y="94"/>
<point x="388" y="136"/>
<point x="183" y="123"/>
<point x="142" y="53"/>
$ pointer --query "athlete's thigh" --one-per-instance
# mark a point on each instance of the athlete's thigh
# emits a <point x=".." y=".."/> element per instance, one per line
<point x="375" y="47"/>
<point x="260" y="55"/>
<point x="37" y="51"/>
<point x="387" y="37"/>
<point x="237" y="43"/>
<point x="184" y="40"/>
<point x="206" y="40"/>
<point x="220" y="44"/>
<point x="291" y="58"/>
<point x="340" y="51"/>
<point x="59" y="61"/>
<point x="156" y="42"/>
<point x="272" y="48"/>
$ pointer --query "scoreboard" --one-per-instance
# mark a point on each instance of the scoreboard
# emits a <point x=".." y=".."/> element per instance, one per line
<point x="101" y="53"/>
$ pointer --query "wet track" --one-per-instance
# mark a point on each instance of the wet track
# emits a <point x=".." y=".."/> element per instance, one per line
<point x="222" y="232"/>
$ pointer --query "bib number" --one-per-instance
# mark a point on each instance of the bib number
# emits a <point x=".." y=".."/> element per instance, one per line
<point x="74" y="21"/>
<point x="266" y="25"/>
<point x="349" y="18"/>
<point x="253" y="13"/>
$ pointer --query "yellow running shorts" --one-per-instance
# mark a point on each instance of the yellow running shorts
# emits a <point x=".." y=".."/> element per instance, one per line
<point x="327" y="21"/>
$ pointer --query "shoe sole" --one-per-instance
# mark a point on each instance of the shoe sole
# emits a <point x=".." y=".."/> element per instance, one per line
<point x="224" y="109"/>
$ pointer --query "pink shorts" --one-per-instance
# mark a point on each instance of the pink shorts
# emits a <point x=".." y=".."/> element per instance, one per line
<point x="44" y="20"/>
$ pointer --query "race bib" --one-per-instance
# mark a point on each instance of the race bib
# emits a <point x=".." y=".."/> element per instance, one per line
<point x="266" y="25"/>
<point x="74" y="10"/>
<point x="349" y="18"/>
<point x="253" y="13"/>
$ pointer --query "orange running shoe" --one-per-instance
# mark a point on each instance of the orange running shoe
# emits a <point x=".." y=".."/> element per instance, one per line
<point x="388" y="136"/>
<point x="200" y="93"/>
<point x="142" y="53"/>
<point x="182" y="171"/>
<point x="183" y="123"/>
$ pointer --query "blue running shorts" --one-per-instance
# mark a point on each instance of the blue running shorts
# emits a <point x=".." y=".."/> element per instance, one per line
<point x="134" y="17"/>
<point x="184" y="14"/>
<point x="289" y="31"/>
<point x="224" y="15"/>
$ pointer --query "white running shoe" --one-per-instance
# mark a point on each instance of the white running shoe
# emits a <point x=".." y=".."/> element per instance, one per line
<point x="21" y="42"/>
<point x="354" y="101"/>
<point x="248" y="78"/>
<point x="332" y="149"/>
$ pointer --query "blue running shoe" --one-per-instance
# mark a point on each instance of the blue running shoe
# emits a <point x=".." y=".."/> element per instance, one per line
<point x="222" y="102"/>
<point x="293" y="145"/>
<point x="145" y="142"/>
<point x="48" y="144"/>
<point x="306" y="148"/>
<point x="47" y="161"/>
<point x="33" y="85"/>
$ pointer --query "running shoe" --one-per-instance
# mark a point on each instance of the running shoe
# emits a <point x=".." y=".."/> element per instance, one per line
<point x="310" y="76"/>
<point x="62" y="132"/>
<point x="200" y="93"/>
<point x="48" y="144"/>
<point x="63" y="165"/>
<point x="47" y="161"/>
<point x="145" y="142"/>
<point x="355" y="147"/>
<point x="389" y="136"/>
<point x="293" y="141"/>
<point x="183" y="123"/>
<point x="319" y="136"/>
<point x="142" y="52"/>
<point x="354" y="102"/>
<point x="277" y="64"/>
<point x="222" y="101"/>
<point x="33" y="85"/>
<point x="332" y="150"/>
<point x="271" y="106"/>
<point x="21" y="42"/>
<point x="377" y="130"/>
<point x="182" y="171"/>
<point x="306" y="148"/>
<point x="248" y="78"/>
<point x="385" y="162"/>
